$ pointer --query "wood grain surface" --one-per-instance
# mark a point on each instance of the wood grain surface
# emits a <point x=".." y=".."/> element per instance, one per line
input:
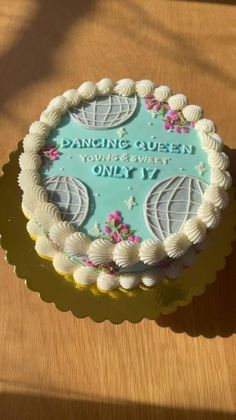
<point x="52" y="365"/>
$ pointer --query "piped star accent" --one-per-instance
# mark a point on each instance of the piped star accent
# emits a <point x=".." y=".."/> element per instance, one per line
<point x="130" y="203"/>
<point x="121" y="132"/>
<point x="201" y="168"/>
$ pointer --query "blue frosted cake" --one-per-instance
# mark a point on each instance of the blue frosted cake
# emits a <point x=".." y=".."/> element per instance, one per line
<point x="121" y="183"/>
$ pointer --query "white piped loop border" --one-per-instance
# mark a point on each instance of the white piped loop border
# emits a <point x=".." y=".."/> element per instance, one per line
<point x="175" y="245"/>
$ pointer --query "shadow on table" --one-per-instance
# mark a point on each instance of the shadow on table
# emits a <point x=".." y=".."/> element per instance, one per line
<point x="213" y="313"/>
<point x="28" y="407"/>
<point x="30" y="58"/>
<point x="166" y="43"/>
<point x="229" y="2"/>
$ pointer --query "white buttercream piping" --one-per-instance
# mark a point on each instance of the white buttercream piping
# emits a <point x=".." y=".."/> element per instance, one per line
<point x="217" y="196"/>
<point x="63" y="264"/>
<point x="192" y="113"/>
<point x="210" y="143"/>
<point x="205" y="126"/>
<point x="88" y="90"/>
<point x="151" y="251"/>
<point x="51" y="117"/>
<point x="221" y="178"/>
<point x="209" y="214"/>
<point x="178" y="101"/>
<point x="107" y="281"/>
<point x="29" y="160"/>
<point x="59" y="232"/>
<point x="100" y="251"/>
<point x="195" y="230"/>
<point x="144" y="88"/>
<point x="28" y="177"/>
<point x="124" y="87"/>
<point x="58" y="103"/>
<point x="218" y="160"/>
<point x="105" y="86"/>
<point x="85" y="275"/>
<point x="176" y="244"/>
<point x="33" y="229"/>
<point x="33" y="142"/>
<point x="77" y="244"/>
<point x="47" y="215"/>
<point x="73" y="97"/>
<point x="45" y="248"/>
<point x="125" y="253"/>
<point x="33" y="196"/>
<point x="153" y="277"/>
<point x="39" y="127"/>
<point x="162" y="93"/>
<point x="129" y="281"/>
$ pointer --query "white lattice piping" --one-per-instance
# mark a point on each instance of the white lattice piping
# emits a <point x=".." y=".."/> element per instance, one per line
<point x="125" y="87"/>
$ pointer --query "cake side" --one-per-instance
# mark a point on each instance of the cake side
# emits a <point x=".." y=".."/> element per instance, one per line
<point x="113" y="257"/>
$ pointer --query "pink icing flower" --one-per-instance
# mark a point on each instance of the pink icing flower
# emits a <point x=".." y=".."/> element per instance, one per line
<point x="116" y="237"/>
<point x="177" y="129"/>
<point x="117" y="219"/>
<point x="157" y="107"/>
<point x="117" y="216"/>
<point x="107" y="230"/>
<point x="54" y="154"/>
<point x="87" y="262"/>
<point x="173" y="115"/>
<point x="152" y="103"/>
<point x="50" y="152"/>
<point x="185" y="130"/>
<point x="116" y="213"/>
<point x="124" y="230"/>
<point x="110" y="218"/>
<point x="167" y="126"/>
<point x="126" y="226"/>
<point x="175" y="121"/>
<point x="117" y="230"/>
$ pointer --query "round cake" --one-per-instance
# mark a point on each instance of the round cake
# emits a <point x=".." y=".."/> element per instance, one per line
<point x="121" y="183"/>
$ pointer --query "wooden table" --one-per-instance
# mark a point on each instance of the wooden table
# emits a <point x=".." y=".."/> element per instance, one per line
<point x="52" y="365"/>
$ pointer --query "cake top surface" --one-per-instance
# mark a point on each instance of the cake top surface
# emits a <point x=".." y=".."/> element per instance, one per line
<point x="131" y="169"/>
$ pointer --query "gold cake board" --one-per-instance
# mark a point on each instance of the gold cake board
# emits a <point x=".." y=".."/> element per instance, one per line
<point x="117" y="306"/>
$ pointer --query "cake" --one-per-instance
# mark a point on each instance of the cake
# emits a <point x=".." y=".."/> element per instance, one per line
<point x="121" y="183"/>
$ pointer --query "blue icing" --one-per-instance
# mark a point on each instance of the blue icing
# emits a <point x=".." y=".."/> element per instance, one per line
<point x="113" y="184"/>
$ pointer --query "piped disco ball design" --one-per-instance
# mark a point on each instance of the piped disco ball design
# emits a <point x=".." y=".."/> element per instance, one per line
<point x="69" y="195"/>
<point x="105" y="111"/>
<point x="171" y="203"/>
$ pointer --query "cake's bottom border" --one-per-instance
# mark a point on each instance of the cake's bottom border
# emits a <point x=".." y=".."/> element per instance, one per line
<point x="90" y="277"/>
